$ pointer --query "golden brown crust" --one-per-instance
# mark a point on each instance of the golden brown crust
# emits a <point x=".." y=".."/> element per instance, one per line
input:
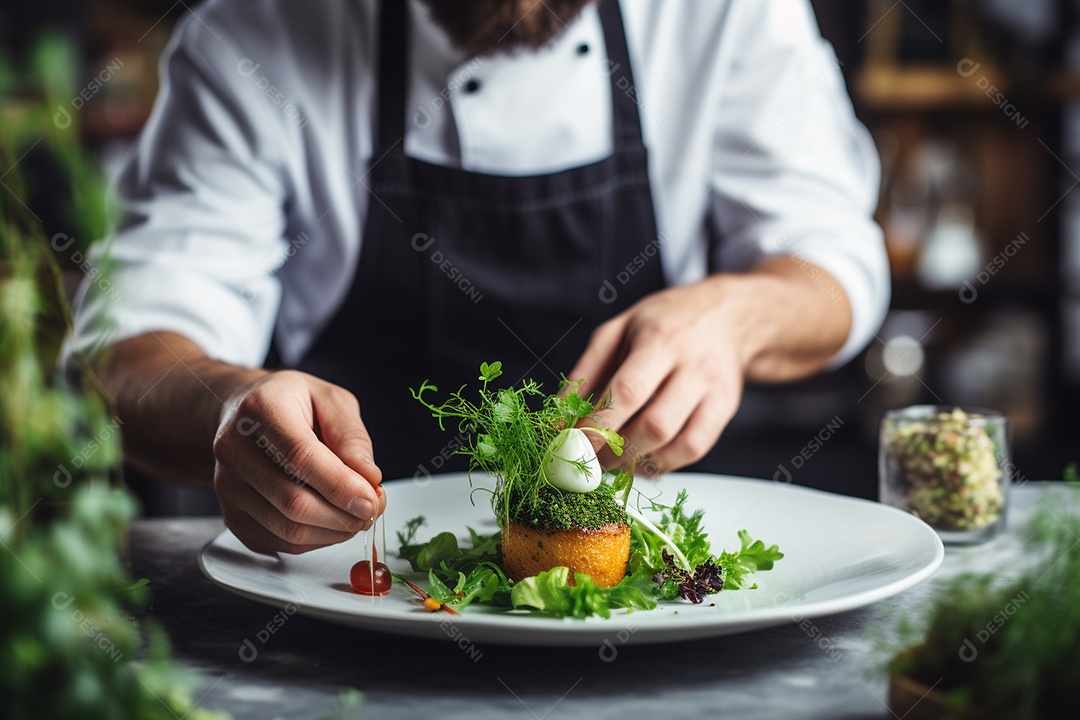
<point x="601" y="553"/>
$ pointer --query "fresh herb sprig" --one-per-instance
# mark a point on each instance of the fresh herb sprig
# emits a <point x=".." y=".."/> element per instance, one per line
<point x="509" y="436"/>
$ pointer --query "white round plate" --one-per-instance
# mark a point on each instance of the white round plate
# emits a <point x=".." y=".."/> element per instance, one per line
<point x="839" y="553"/>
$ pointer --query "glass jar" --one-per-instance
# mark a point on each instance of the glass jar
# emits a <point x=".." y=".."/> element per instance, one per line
<point x="947" y="466"/>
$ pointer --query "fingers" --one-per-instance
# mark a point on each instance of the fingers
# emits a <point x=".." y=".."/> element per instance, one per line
<point x="289" y="431"/>
<point x="697" y="437"/>
<point x="289" y="533"/>
<point x="301" y="504"/>
<point x="634" y="384"/>
<point x="294" y="468"/>
<point x="338" y="424"/>
<point x="660" y="422"/>
<point x="258" y="539"/>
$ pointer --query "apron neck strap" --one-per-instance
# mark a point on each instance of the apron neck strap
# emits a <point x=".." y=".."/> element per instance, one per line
<point x="626" y="121"/>
<point x="394" y="63"/>
<point x="392" y="73"/>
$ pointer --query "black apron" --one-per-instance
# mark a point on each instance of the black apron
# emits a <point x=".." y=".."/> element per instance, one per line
<point x="458" y="267"/>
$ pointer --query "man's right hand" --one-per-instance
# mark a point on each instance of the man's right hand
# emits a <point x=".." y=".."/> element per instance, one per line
<point x="287" y="453"/>
<point x="293" y="465"/>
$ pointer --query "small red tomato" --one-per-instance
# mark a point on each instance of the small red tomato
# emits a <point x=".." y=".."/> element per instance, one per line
<point x="368" y="580"/>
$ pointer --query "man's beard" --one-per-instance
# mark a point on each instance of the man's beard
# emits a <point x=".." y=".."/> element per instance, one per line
<point x="490" y="27"/>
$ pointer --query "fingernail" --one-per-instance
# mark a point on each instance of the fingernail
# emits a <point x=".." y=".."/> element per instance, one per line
<point x="361" y="508"/>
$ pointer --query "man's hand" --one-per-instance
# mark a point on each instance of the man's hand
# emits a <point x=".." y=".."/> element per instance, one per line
<point x="675" y="374"/>
<point x="287" y="453"/>
<point x="676" y="361"/>
<point x="294" y="469"/>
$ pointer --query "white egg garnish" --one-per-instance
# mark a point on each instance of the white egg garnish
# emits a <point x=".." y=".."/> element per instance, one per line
<point x="571" y="463"/>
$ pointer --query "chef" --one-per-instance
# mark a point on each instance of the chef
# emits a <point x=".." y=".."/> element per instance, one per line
<point x="334" y="201"/>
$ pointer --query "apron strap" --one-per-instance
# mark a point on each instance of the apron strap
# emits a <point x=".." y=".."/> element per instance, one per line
<point x="392" y="73"/>
<point x="626" y="131"/>
<point x="394" y="62"/>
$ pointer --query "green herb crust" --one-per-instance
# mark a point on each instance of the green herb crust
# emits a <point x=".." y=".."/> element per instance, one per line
<point x="555" y="509"/>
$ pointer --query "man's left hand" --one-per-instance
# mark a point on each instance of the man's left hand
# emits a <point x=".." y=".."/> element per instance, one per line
<point x="675" y="362"/>
<point x="674" y="366"/>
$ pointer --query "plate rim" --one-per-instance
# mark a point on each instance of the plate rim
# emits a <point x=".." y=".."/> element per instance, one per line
<point x="561" y="630"/>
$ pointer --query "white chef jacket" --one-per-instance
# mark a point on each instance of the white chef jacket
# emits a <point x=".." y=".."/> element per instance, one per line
<point x="245" y="196"/>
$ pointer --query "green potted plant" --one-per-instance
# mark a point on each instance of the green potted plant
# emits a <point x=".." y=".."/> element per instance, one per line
<point x="72" y="647"/>
<point x="1001" y="644"/>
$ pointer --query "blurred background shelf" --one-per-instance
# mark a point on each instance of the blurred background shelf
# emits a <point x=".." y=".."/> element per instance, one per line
<point x="933" y="88"/>
<point x="930" y="87"/>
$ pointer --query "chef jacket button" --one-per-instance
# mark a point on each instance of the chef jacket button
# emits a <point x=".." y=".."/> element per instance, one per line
<point x="472" y="86"/>
<point x="583" y="49"/>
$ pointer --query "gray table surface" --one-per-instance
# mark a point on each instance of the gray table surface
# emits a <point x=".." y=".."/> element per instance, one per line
<point x="824" y="669"/>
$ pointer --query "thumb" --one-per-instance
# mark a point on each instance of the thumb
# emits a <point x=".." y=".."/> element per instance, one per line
<point x="337" y="417"/>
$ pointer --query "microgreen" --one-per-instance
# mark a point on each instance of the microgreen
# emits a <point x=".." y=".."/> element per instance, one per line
<point x="706" y="579"/>
<point x="509" y="431"/>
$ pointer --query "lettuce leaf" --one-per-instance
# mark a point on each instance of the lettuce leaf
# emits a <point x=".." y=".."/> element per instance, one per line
<point x="551" y="594"/>
<point x="750" y="558"/>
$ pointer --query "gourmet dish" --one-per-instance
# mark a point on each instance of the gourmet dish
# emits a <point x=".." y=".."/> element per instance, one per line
<point x="574" y="540"/>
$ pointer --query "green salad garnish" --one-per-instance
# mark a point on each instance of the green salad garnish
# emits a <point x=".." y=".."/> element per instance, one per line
<point x="514" y="435"/>
<point x="460" y="576"/>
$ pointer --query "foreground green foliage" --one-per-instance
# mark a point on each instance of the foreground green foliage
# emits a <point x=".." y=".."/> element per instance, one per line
<point x="71" y="648"/>
<point x="1003" y="644"/>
